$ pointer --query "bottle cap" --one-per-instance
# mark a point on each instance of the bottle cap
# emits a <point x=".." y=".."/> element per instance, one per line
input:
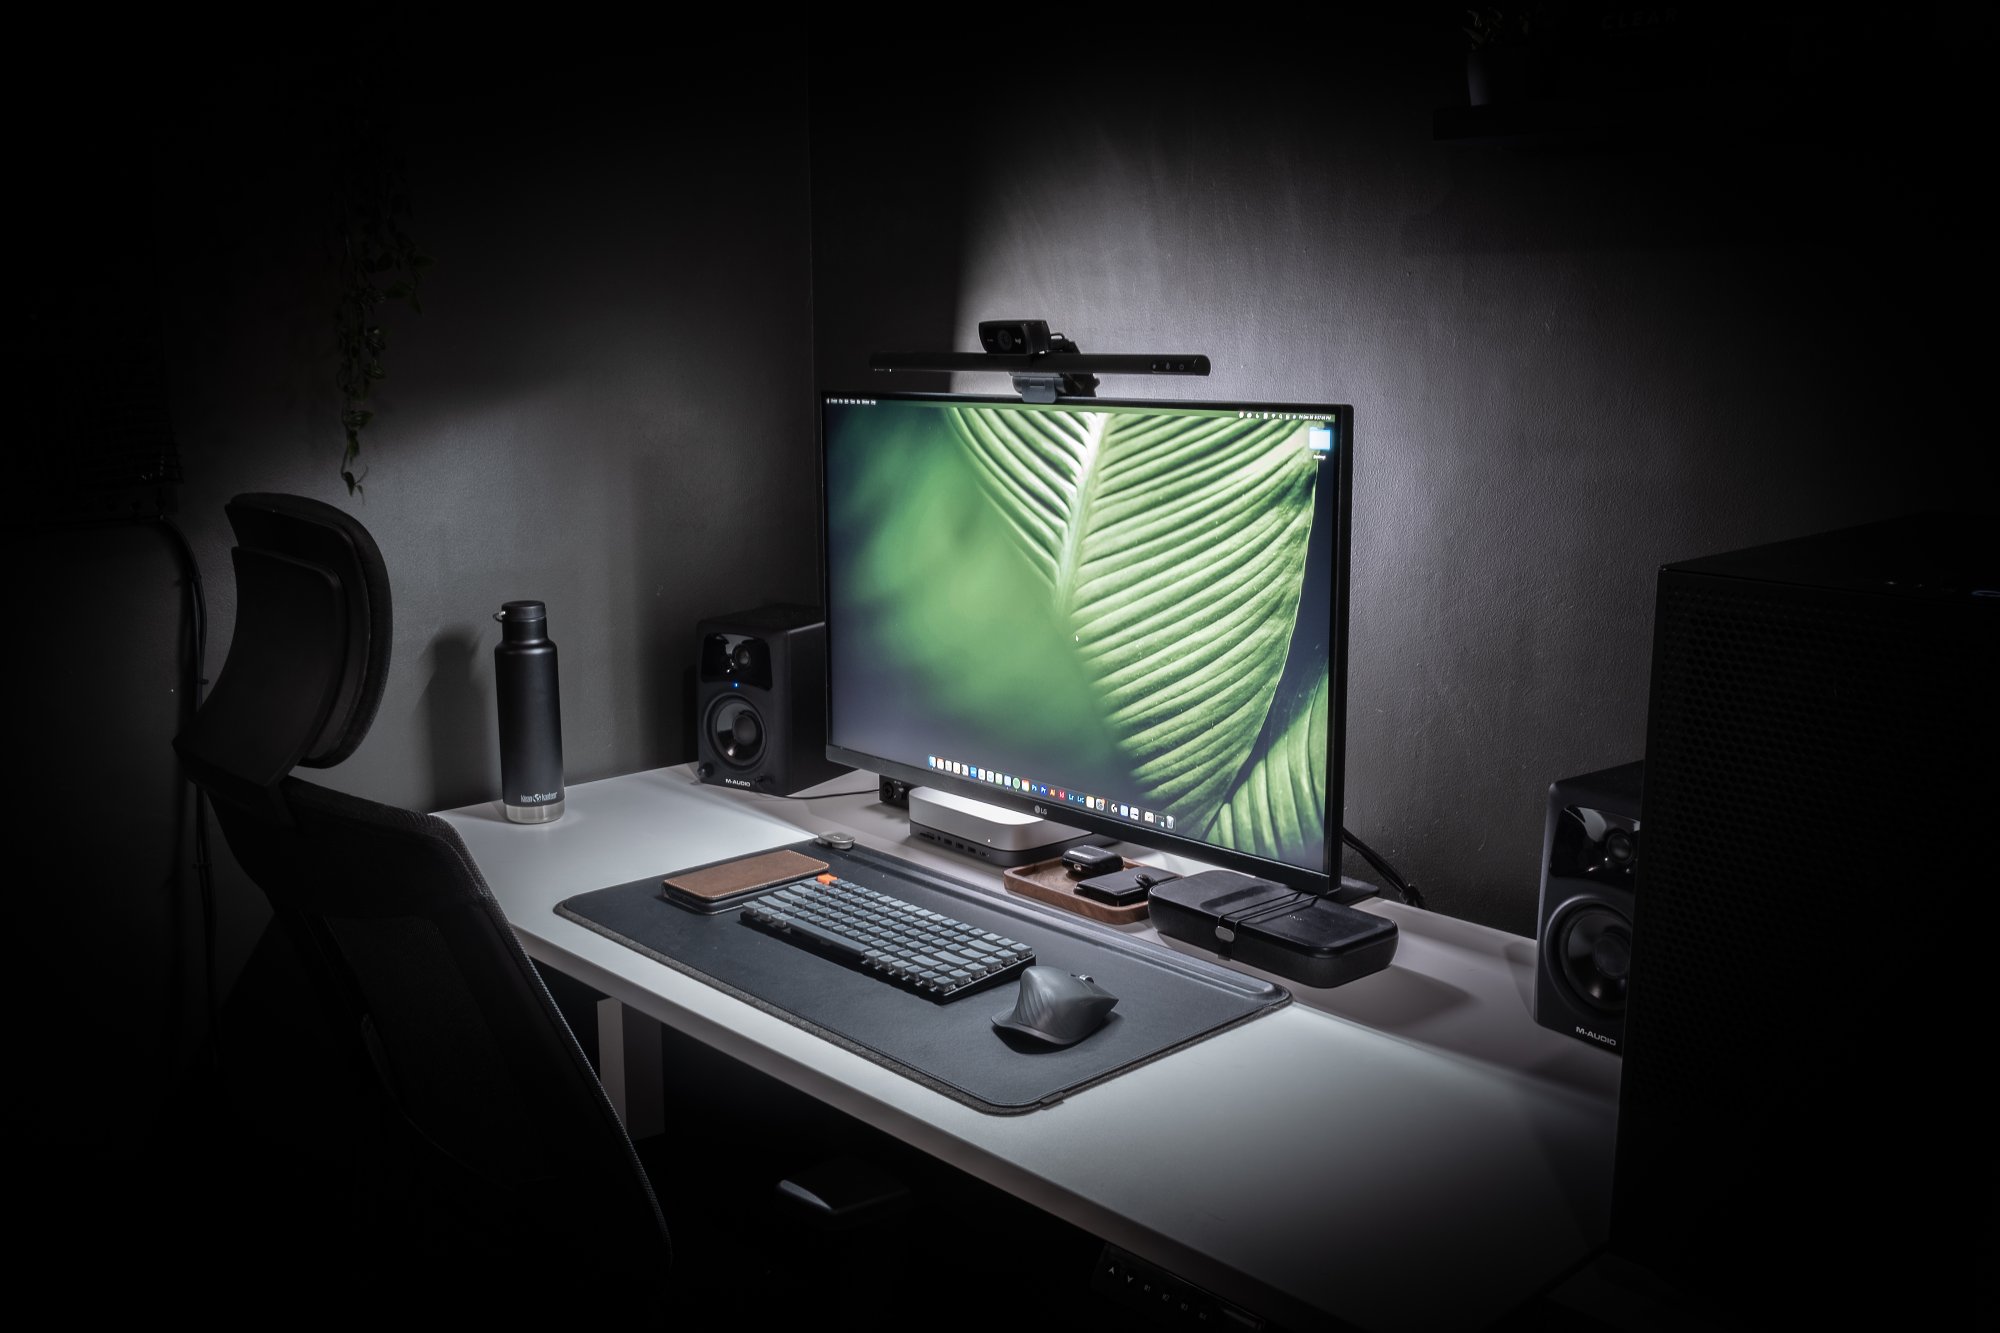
<point x="521" y="612"/>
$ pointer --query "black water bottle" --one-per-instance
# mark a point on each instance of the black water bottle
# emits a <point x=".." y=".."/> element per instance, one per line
<point x="524" y="678"/>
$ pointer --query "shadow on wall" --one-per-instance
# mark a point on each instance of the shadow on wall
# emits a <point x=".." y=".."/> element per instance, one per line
<point x="459" y="720"/>
<point x="891" y="115"/>
<point x="714" y="528"/>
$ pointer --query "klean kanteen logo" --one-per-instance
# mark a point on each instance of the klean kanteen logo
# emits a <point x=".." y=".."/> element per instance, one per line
<point x="1598" y="1037"/>
<point x="538" y="798"/>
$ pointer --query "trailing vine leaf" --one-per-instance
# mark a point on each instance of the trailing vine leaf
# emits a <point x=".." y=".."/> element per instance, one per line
<point x="1172" y="548"/>
<point x="378" y="263"/>
<point x="1278" y="807"/>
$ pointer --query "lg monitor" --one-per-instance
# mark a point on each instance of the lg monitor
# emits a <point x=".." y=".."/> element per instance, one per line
<point x="1127" y="618"/>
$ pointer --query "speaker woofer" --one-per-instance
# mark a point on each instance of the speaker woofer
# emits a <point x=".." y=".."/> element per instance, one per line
<point x="1594" y="957"/>
<point x="736" y="731"/>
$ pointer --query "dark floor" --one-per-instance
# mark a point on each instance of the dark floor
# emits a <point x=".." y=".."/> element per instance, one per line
<point x="233" y="1227"/>
<point x="237" y="1210"/>
<point x="947" y="1244"/>
<point x="229" y="1219"/>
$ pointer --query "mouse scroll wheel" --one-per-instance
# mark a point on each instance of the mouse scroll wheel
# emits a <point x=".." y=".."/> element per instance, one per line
<point x="1080" y="977"/>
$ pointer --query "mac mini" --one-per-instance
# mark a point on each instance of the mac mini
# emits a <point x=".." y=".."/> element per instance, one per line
<point x="1001" y="836"/>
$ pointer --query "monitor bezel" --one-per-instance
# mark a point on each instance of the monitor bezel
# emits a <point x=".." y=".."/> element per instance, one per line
<point x="1291" y="876"/>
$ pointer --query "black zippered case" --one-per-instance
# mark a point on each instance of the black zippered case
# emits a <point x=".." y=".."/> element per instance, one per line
<point x="1240" y="918"/>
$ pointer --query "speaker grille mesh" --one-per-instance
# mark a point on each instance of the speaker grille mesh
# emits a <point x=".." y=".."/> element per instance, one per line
<point x="1809" y="810"/>
<point x="1778" y="739"/>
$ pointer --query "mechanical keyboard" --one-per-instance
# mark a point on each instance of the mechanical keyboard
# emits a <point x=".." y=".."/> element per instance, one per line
<point x="888" y="938"/>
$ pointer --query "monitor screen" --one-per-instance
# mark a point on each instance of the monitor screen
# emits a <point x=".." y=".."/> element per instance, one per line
<point x="1126" y="617"/>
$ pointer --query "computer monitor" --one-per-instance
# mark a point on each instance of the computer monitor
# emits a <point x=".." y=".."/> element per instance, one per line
<point x="1127" y="617"/>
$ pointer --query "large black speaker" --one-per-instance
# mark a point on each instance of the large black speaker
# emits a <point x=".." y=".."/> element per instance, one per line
<point x="1590" y="859"/>
<point x="1799" y="1135"/>
<point x="760" y="700"/>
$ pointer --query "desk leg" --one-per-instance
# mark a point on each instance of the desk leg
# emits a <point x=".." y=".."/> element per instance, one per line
<point x="628" y="1055"/>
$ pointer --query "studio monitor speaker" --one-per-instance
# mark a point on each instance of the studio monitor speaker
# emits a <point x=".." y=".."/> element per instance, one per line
<point x="1590" y="859"/>
<point x="760" y="700"/>
<point x="1812" y="983"/>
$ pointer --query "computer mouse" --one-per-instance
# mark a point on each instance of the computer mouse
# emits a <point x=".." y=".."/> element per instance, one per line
<point x="1057" y="1008"/>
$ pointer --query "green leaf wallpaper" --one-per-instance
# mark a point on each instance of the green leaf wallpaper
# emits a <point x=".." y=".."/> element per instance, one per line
<point x="1136" y="577"/>
<point x="1278" y="807"/>
<point x="1172" y="548"/>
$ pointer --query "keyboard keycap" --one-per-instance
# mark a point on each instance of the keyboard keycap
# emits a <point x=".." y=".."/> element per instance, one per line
<point x="888" y="938"/>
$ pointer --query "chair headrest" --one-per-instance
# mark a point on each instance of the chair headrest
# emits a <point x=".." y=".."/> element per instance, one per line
<point x="310" y="653"/>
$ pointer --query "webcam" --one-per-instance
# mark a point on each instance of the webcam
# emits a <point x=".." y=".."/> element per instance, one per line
<point x="1014" y="337"/>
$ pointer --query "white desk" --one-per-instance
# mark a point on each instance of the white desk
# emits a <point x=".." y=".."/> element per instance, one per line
<point x="1408" y="1151"/>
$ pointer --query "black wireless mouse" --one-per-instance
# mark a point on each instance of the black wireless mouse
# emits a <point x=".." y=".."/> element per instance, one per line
<point x="1056" y="1007"/>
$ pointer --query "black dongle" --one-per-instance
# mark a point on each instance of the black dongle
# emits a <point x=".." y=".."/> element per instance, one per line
<point x="1087" y="859"/>
<point x="1122" y="888"/>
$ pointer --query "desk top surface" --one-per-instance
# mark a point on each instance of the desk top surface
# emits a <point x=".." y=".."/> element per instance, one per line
<point x="1410" y="1150"/>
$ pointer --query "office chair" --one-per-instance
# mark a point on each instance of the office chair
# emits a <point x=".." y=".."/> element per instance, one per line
<point x="496" y="1175"/>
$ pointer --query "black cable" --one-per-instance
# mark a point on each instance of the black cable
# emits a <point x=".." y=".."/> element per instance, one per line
<point x="197" y="680"/>
<point x="1384" y="869"/>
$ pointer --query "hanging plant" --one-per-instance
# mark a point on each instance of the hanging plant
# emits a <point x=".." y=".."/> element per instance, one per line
<point x="1485" y="29"/>
<point x="379" y="265"/>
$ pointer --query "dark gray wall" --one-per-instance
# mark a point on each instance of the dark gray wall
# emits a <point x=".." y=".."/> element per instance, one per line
<point x="1754" y="313"/>
<point x="605" y="404"/>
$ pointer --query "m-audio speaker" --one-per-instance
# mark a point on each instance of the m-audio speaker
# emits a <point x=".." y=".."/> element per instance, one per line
<point x="1812" y="997"/>
<point x="1590" y="861"/>
<point x="760" y="700"/>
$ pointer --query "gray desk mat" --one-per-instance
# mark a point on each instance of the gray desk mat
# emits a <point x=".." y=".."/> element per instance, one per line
<point x="1165" y="1000"/>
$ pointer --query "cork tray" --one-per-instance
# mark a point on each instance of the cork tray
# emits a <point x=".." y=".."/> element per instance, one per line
<point x="1049" y="882"/>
